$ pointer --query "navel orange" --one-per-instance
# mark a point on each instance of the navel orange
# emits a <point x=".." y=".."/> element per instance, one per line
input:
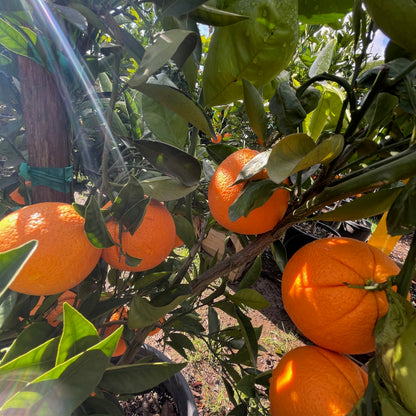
<point x="152" y="242"/>
<point x="313" y="381"/>
<point x="64" y="256"/>
<point x="222" y="193"/>
<point x="319" y="301"/>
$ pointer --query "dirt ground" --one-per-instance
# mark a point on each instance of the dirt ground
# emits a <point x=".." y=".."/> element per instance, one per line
<point x="204" y="380"/>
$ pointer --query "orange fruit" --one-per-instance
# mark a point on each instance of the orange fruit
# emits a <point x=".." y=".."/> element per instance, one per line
<point x="152" y="242"/>
<point x="321" y="304"/>
<point x="313" y="381"/>
<point x="222" y="194"/>
<point x="157" y="329"/>
<point x="64" y="256"/>
<point x="56" y="312"/>
<point x="116" y="316"/>
<point x="178" y="242"/>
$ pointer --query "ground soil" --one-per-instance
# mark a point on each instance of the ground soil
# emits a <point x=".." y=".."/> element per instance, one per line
<point x="204" y="380"/>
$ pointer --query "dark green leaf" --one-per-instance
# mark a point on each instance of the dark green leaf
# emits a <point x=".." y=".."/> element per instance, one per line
<point x="239" y="410"/>
<point x="279" y="254"/>
<point x="12" y="262"/>
<point x="176" y="43"/>
<point x="380" y="111"/>
<point x="366" y="206"/>
<point x="189" y="323"/>
<point x="213" y="321"/>
<point x="401" y="218"/>
<point x="180" y="7"/>
<point x="95" y="227"/>
<point x="215" y="17"/>
<point x="251" y="275"/>
<point x="137" y="378"/>
<point x="73" y="16"/>
<point x="180" y="342"/>
<point x="166" y="188"/>
<point x="310" y="99"/>
<point x="219" y="152"/>
<point x="249" y="335"/>
<point x="143" y="313"/>
<point x="255" y="194"/>
<point x="256" y="114"/>
<point x="184" y="230"/>
<point x="287" y="108"/>
<point x="323" y="11"/>
<point x="181" y="104"/>
<point x="246" y="385"/>
<point x="251" y="298"/>
<point x="171" y="160"/>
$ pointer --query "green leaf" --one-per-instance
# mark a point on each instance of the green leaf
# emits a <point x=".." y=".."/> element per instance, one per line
<point x="184" y="230"/>
<point x="323" y="61"/>
<point x="130" y="205"/>
<point x="62" y="389"/>
<point x="72" y="16"/>
<point x="176" y="44"/>
<point x="256" y="114"/>
<point x="137" y="378"/>
<point x="12" y="262"/>
<point x="181" y="104"/>
<point x="213" y="321"/>
<point x="256" y="49"/>
<point x="380" y="111"/>
<point x="166" y="188"/>
<point x="143" y="313"/>
<point x="215" y="17"/>
<point x="279" y="254"/>
<point x="14" y="40"/>
<point x="180" y="342"/>
<point x="247" y="385"/>
<point x="323" y="11"/>
<point x="401" y="218"/>
<point x="180" y="7"/>
<point x="255" y="194"/>
<point x="253" y="167"/>
<point x="251" y="275"/>
<point x="219" y="152"/>
<point x="95" y="227"/>
<point x="171" y="160"/>
<point x="249" y="335"/>
<point x="165" y="124"/>
<point x="287" y="108"/>
<point x="366" y="206"/>
<point x="251" y="298"/>
<point x="77" y="336"/>
<point x="31" y="337"/>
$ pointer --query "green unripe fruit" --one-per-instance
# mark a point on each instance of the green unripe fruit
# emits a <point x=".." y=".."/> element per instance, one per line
<point x="396" y="19"/>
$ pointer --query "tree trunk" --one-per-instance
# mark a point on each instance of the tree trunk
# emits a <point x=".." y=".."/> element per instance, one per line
<point x="46" y="123"/>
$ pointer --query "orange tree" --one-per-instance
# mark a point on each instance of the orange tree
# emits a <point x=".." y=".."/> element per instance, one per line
<point x="146" y="90"/>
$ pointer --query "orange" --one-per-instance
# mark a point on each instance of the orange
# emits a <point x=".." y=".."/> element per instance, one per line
<point x="222" y="194"/>
<point x="116" y="316"/>
<point x="54" y="315"/>
<point x="321" y="304"/>
<point x="64" y="256"/>
<point x="312" y="381"/>
<point x="178" y="242"/>
<point x="157" y="329"/>
<point x="152" y="242"/>
<point x="217" y="139"/>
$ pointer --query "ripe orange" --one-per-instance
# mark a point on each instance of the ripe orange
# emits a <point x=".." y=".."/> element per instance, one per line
<point x="117" y="315"/>
<point x="152" y="242"/>
<point x="157" y="329"/>
<point x="312" y="381"/>
<point x="55" y="313"/>
<point x="64" y="256"/>
<point x="317" y="299"/>
<point x="222" y="194"/>
<point x="217" y="139"/>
